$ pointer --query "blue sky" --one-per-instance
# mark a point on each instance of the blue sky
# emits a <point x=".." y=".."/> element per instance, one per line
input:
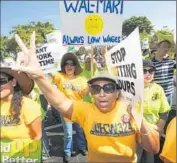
<point x="160" y="13"/>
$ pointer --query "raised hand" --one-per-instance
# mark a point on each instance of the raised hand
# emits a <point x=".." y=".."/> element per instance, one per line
<point x="27" y="60"/>
<point x="135" y="115"/>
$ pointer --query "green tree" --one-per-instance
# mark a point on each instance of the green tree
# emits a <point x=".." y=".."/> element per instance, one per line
<point x="164" y="34"/>
<point x="4" y="47"/>
<point x="9" y="45"/>
<point x="4" y="41"/>
<point x="142" y="22"/>
<point x="41" y="29"/>
<point x="144" y="35"/>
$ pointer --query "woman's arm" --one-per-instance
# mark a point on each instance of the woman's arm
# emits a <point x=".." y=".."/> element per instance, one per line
<point x="35" y="129"/>
<point x="149" y="138"/>
<point x="31" y="66"/>
<point x="55" y="97"/>
<point x="161" y="122"/>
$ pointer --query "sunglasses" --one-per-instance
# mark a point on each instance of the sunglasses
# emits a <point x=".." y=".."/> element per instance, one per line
<point x="70" y="64"/>
<point x="107" y="88"/>
<point x="151" y="71"/>
<point x="4" y="81"/>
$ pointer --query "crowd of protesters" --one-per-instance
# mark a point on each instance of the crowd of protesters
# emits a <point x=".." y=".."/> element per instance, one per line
<point x="92" y="105"/>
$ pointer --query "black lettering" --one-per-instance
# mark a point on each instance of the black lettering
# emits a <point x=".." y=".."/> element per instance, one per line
<point x="112" y="57"/>
<point x="45" y="56"/>
<point x="41" y="50"/>
<point x="40" y="57"/>
<point x="113" y="129"/>
<point x="41" y="63"/>
<point x="121" y="71"/>
<point x="119" y="56"/>
<point x="106" y="126"/>
<point x="133" y="68"/>
<point x="122" y="50"/>
<point x="49" y="55"/>
<point x="126" y="86"/>
<point x="128" y="70"/>
<point x="120" y="128"/>
<point x="133" y="88"/>
<point x="125" y="72"/>
<point x="45" y="48"/>
<point x="102" y="129"/>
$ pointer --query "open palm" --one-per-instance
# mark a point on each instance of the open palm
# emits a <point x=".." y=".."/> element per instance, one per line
<point x="27" y="60"/>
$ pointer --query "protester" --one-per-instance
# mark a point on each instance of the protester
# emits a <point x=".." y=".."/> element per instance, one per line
<point x="74" y="86"/>
<point x="156" y="107"/>
<point x="108" y="123"/>
<point x="168" y="154"/>
<point x="20" y="116"/>
<point x="164" y="69"/>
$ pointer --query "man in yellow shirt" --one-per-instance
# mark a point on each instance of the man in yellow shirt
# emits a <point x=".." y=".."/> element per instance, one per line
<point x="108" y="123"/>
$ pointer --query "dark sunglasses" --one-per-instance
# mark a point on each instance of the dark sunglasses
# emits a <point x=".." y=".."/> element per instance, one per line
<point x="151" y="71"/>
<point x="4" y="81"/>
<point x="107" y="88"/>
<point x="70" y="64"/>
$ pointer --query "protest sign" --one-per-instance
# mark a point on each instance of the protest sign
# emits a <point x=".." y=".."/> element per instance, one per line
<point x="49" y="56"/>
<point x="124" y="62"/>
<point x="21" y="150"/>
<point x="87" y="22"/>
<point x="145" y="44"/>
<point x="55" y="37"/>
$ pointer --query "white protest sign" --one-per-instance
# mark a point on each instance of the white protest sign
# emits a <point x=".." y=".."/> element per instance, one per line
<point x="49" y="56"/>
<point x="86" y="22"/>
<point x="124" y="62"/>
<point x="55" y="37"/>
<point x="145" y="44"/>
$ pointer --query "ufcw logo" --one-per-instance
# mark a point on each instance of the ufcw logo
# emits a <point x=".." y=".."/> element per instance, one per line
<point x="114" y="129"/>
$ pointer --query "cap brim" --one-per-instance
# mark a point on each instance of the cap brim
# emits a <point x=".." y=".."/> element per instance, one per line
<point x="91" y="81"/>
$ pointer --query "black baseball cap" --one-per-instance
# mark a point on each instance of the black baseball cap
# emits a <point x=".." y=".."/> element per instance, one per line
<point x="148" y="63"/>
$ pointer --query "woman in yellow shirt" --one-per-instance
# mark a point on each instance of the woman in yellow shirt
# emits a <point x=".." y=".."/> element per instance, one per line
<point x="156" y="107"/>
<point x="108" y="124"/>
<point x="20" y="116"/>
<point x="74" y="86"/>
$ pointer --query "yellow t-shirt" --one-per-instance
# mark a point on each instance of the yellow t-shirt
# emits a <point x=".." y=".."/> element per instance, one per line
<point x="71" y="88"/>
<point x="10" y="129"/>
<point x="169" y="147"/>
<point x="155" y="102"/>
<point x="111" y="136"/>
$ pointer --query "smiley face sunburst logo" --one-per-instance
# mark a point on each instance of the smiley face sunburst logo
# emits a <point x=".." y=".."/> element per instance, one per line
<point x="94" y="24"/>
